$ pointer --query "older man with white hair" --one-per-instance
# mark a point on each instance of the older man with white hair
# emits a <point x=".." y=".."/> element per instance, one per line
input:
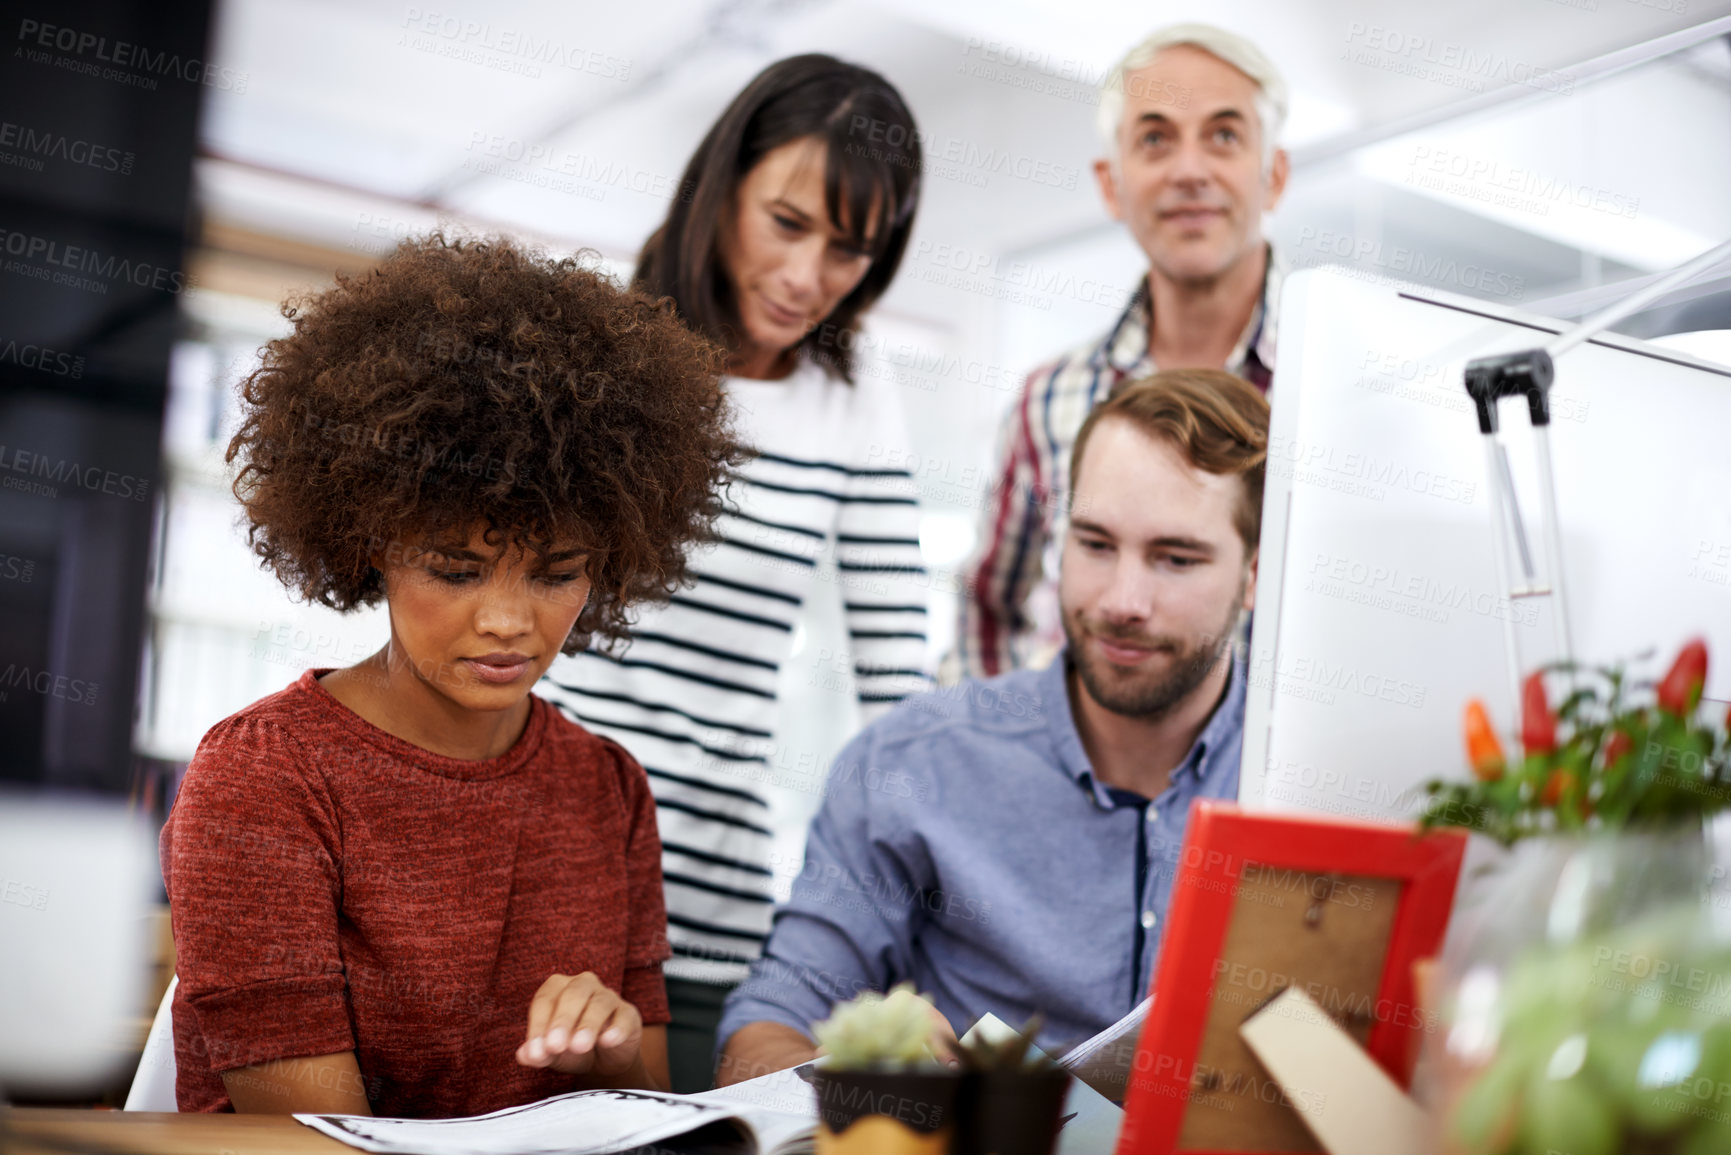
<point x="1190" y="121"/>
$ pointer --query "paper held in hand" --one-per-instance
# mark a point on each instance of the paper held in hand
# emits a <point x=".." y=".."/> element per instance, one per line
<point x="1104" y="1061"/>
<point x="774" y="1115"/>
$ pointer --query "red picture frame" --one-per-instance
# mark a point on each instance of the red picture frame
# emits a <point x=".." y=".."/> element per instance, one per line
<point x="1219" y="840"/>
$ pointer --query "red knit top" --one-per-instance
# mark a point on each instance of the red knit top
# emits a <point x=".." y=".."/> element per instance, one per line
<point x="336" y="888"/>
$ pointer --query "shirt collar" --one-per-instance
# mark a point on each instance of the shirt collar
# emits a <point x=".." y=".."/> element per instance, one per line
<point x="1224" y="724"/>
<point x="1258" y="337"/>
<point x="1061" y="724"/>
<point x="1126" y="347"/>
<point x="1272" y="285"/>
<point x="1199" y="762"/>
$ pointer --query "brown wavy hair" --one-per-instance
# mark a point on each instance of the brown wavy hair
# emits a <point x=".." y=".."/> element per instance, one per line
<point x="1218" y="422"/>
<point x="473" y="382"/>
<point x="873" y="161"/>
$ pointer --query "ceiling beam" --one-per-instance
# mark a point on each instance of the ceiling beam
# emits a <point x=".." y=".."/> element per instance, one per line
<point x="1339" y="147"/>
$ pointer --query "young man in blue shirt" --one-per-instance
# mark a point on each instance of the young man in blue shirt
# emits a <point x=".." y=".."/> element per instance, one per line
<point x="1009" y="845"/>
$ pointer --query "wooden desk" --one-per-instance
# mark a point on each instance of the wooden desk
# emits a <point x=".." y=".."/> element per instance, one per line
<point x="152" y="1133"/>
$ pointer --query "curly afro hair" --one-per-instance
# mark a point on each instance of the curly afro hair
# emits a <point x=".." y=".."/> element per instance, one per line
<point x="466" y="383"/>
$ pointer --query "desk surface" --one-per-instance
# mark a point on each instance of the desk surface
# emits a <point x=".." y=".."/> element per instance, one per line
<point x="150" y="1133"/>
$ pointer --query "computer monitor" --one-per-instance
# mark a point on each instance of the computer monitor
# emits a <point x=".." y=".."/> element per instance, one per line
<point x="1378" y="610"/>
<point x="101" y="101"/>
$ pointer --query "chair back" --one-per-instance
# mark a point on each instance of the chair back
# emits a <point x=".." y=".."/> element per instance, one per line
<point x="153" y="1085"/>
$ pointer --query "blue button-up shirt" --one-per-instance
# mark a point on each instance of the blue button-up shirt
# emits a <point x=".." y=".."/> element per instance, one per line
<point x="965" y="844"/>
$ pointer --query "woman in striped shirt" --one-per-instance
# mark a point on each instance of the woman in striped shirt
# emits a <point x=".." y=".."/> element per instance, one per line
<point x="793" y="217"/>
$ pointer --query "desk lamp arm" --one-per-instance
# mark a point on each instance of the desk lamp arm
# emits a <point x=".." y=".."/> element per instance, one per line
<point x="1529" y="373"/>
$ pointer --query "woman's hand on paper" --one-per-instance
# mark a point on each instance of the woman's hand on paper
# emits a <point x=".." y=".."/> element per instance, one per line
<point x="578" y="1026"/>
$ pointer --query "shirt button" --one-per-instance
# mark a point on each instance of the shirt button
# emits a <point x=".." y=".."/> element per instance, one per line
<point x="1147" y="920"/>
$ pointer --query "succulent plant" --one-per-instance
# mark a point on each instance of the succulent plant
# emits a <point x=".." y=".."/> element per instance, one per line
<point x="874" y="1030"/>
<point x="1011" y="1053"/>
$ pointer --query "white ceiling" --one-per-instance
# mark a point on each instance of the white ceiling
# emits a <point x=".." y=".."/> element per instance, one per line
<point x="396" y="99"/>
<point x="363" y="120"/>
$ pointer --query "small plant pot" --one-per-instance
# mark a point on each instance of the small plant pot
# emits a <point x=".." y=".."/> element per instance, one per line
<point x="1011" y="1112"/>
<point x="885" y="1112"/>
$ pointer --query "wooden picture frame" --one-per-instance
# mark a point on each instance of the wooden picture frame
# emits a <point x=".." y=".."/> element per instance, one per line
<point x="1264" y="901"/>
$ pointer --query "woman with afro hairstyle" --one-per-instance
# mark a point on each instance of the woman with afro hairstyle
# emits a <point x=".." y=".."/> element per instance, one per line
<point x="791" y="220"/>
<point x="411" y="887"/>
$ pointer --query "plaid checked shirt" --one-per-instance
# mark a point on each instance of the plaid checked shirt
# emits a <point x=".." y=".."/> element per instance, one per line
<point x="999" y="630"/>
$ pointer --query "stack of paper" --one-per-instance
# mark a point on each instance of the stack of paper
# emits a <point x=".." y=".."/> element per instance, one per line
<point x="774" y="1115"/>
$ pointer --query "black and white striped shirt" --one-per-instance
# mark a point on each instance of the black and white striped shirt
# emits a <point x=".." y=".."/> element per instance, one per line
<point x="694" y="696"/>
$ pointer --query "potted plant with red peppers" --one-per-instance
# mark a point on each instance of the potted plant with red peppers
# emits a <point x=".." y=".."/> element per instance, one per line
<point x="1599" y="760"/>
<point x="1586" y="991"/>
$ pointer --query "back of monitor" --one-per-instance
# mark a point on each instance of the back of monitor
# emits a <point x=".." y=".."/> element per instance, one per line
<point x="1378" y="611"/>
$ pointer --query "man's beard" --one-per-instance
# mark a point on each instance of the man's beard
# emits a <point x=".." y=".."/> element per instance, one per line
<point x="1151" y="696"/>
